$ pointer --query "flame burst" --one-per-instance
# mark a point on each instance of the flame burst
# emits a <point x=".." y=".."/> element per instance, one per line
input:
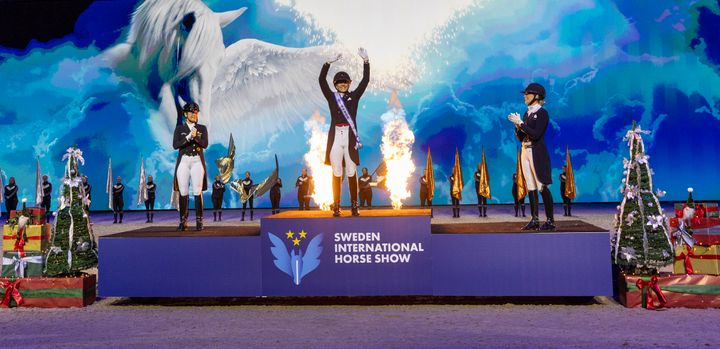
<point x="317" y="134"/>
<point x="396" y="148"/>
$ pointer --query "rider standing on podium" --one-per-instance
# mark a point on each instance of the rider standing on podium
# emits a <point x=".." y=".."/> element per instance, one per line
<point x="343" y="138"/>
<point x="535" y="159"/>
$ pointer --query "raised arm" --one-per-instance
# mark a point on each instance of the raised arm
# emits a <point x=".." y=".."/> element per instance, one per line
<point x="365" y="80"/>
<point x="324" y="86"/>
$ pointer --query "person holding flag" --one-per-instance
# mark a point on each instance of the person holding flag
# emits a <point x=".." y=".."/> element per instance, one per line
<point x="482" y="186"/>
<point x="46" y="196"/>
<point x="150" y="189"/>
<point x="456" y="185"/>
<point x="117" y="200"/>
<point x="343" y="141"/>
<point x="568" y="191"/>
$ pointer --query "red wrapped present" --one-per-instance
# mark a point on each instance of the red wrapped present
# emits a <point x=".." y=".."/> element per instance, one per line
<point x="670" y="291"/>
<point x="57" y="292"/>
<point x="37" y="215"/>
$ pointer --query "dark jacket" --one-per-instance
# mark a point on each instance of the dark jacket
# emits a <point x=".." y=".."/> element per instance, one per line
<point x="151" y="187"/>
<point x="533" y="128"/>
<point x="218" y="190"/>
<point x="181" y="143"/>
<point x="351" y="102"/>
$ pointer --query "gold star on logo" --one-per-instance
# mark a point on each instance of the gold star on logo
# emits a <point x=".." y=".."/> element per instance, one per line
<point x="296" y="242"/>
<point x="290" y="234"/>
<point x="303" y="234"/>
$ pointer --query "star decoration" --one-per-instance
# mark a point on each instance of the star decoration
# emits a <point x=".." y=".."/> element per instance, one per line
<point x="290" y="234"/>
<point x="303" y="234"/>
<point x="296" y="242"/>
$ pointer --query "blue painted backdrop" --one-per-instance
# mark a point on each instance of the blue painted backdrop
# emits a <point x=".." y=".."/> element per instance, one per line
<point x="604" y="63"/>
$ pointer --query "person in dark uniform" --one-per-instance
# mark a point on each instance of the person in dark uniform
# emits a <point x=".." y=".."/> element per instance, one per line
<point x="190" y="139"/>
<point x="425" y="199"/>
<point x="535" y="159"/>
<point x="455" y="201"/>
<point x="150" y="202"/>
<point x="365" y="189"/>
<point x="11" y="197"/>
<point x="482" y="201"/>
<point x="87" y="188"/>
<point x="303" y="190"/>
<point x="343" y="141"/>
<point x="567" y="202"/>
<point x="247" y="184"/>
<point x="519" y="202"/>
<point x="217" y="198"/>
<point x="275" y="196"/>
<point x="47" y="196"/>
<point x="117" y="200"/>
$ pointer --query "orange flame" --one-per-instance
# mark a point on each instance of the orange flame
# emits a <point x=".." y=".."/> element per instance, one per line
<point x="316" y="130"/>
<point x="396" y="148"/>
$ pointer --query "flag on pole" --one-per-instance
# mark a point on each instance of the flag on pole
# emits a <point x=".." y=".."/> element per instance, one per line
<point x="430" y="175"/>
<point x="520" y="178"/>
<point x="570" y="189"/>
<point x="226" y="164"/>
<point x="457" y="187"/>
<point x="109" y="185"/>
<point x="381" y="176"/>
<point x="142" y="185"/>
<point x="484" y="187"/>
<point x="38" y="184"/>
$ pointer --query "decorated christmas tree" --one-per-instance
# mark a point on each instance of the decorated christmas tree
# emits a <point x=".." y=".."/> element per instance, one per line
<point x="72" y="247"/>
<point x="641" y="240"/>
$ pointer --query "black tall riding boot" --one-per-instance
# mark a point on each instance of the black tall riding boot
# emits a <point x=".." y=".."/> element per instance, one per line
<point x="152" y="218"/>
<point x="569" y="210"/>
<point x="336" y="184"/>
<point x="522" y="207"/>
<point x="534" y="221"/>
<point x="480" y="211"/>
<point x="517" y="208"/>
<point x="220" y="216"/>
<point x="353" y="185"/>
<point x="199" y="212"/>
<point x="214" y="216"/>
<point x="484" y="211"/>
<point x="114" y="218"/>
<point x="548" y="202"/>
<point x="183" y="208"/>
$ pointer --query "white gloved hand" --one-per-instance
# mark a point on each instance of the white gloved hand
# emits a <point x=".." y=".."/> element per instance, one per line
<point x="363" y="53"/>
<point x="515" y="118"/>
<point x="339" y="56"/>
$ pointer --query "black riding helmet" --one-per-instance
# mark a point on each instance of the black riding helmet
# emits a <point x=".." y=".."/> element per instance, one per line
<point x="536" y="89"/>
<point x="341" y="76"/>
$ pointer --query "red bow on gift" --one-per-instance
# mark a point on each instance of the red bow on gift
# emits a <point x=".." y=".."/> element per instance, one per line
<point x="20" y="242"/>
<point x="686" y="256"/>
<point x="647" y="299"/>
<point x="11" y="292"/>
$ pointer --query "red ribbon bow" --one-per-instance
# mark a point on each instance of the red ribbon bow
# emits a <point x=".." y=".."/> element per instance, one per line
<point x="647" y="299"/>
<point x="11" y="292"/>
<point x="20" y="242"/>
<point x="686" y="256"/>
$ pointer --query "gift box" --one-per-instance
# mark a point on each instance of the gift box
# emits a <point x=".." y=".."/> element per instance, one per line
<point x="17" y="266"/>
<point x="34" y="238"/>
<point x="697" y="260"/>
<point x="706" y="215"/>
<point x="669" y="291"/>
<point x="37" y="215"/>
<point x="58" y="292"/>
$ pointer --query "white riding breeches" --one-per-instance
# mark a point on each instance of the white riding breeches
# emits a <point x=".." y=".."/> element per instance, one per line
<point x="528" y="167"/>
<point x="190" y="167"/>
<point x="341" y="151"/>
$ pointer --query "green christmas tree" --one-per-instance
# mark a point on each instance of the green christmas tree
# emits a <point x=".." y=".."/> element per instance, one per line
<point x="72" y="247"/>
<point x="641" y="240"/>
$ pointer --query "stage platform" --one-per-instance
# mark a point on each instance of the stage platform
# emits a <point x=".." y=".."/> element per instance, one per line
<point x="381" y="253"/>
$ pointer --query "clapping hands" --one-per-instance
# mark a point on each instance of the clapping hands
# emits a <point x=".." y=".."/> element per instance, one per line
<point x="515" y="118"/>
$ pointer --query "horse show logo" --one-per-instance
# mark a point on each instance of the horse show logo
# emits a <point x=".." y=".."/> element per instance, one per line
<point x="295" y="261"/>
